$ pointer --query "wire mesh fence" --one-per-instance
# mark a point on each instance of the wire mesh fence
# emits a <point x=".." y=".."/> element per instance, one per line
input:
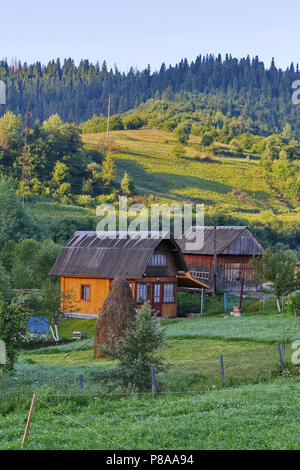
<point x="250" y="366"/>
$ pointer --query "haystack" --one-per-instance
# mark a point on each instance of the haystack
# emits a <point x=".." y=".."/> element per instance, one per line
<point x="117" y="314"/>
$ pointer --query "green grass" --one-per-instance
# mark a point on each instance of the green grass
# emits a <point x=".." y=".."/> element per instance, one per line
<point x="251" y="417"/>
<point x="228" y="183"/>
<point x="66" y="328"/>
<point x="261" y="327"/>
<point x="245" y="416"/>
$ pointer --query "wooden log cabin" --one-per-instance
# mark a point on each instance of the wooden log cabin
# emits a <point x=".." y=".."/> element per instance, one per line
<point x="235" y="246"/>
<point x="152" y="262"/>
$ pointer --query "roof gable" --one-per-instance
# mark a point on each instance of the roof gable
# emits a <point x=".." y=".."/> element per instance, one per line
<point x="233" y="240"/>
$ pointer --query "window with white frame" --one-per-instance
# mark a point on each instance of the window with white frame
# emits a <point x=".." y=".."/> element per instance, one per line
<point x="141" y="293"/>
<point x="158" y="259"/>
<point x="169" y="292"/>
<point x="156" y="295"/>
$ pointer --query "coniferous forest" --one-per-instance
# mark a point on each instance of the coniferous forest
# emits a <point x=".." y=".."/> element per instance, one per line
<point x="245" y="87"/>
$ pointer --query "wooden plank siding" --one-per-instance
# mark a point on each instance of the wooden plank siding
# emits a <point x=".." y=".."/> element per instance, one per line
<point x="99" y="290"/>
<point x="230" y="268"/>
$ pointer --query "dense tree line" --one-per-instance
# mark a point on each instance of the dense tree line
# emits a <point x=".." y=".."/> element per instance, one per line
<point x="242" y="87"/>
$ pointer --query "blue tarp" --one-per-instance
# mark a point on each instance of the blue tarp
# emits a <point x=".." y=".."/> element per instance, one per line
<point x="38" y="325"/>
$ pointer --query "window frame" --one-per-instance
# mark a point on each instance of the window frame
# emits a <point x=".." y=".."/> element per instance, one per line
<point x="83" y="288"/>
<point x="140" y="285"/>
<point x="166" y="300"/>
<point x="162" y="257"/>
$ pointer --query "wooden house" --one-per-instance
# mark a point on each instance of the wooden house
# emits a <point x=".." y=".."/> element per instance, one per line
<point x="235" y="246"/>
<point x="152" y="262"/>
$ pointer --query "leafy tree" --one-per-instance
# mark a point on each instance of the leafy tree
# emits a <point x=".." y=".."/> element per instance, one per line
<point x="116" y="123"/>
<point x="278" y="267"/>
<point x="5" y="285"/>
<point x="13" y="321"/>
<point x="13" y="129"/>
<point x="22" y="276"/>
<point x="44" y="260"/>
<point x="182" y="132"/>
<point x="15" y="223"/>
<point x="293" y="303"/>
<point x="207" y="140"/>
<point x="52" y="302"/>
<point x="133" y="122"/>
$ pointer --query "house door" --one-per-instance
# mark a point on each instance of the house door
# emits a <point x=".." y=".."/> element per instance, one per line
<point x="157" y="297"/>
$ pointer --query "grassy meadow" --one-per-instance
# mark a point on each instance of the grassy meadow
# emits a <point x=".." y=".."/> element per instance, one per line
<point x="229" y="183"/>
<point x="258" y="408"/>
<point x="264" y="416"/>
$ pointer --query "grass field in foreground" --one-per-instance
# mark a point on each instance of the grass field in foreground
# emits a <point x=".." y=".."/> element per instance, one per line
<point x="253" y="417"/>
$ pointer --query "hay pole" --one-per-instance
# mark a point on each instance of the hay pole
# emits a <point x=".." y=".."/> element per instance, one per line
<point x="78" y="347"/>
<point x="26" y="432"/>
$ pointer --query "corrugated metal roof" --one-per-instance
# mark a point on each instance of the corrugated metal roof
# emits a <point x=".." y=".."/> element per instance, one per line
<point x="110" y="254"/>
<point x="233" y="240"/>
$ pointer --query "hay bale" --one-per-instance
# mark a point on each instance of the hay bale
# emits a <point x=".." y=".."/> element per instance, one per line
<point x="117" y="314"/>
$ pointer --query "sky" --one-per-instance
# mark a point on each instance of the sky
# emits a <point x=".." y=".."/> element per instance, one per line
<point x="137" y="33"/>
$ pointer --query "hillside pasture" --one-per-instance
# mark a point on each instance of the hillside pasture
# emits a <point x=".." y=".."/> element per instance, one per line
<point x="227" y="182"/>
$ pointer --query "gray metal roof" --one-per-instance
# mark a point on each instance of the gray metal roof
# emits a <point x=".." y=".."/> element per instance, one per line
<point x="110" y="254"/>
<point x="231" y="240"/>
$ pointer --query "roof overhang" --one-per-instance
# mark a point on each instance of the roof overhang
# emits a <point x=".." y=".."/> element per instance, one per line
<point x="188" y="281"/>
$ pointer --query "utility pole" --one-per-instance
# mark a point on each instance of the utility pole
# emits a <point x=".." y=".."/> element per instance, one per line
<point x="26" y="151"/>
<point x="215" y="256"/>
<point x="108" y="115"/>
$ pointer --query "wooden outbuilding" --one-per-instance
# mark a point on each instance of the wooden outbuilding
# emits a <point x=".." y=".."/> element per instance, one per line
<point x="152" y="262"/>
<point x="233" y="246"/>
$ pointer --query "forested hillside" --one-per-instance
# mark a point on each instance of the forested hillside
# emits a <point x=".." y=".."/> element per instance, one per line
<point x="220" y="132"/>
<point x="245" y="88"/>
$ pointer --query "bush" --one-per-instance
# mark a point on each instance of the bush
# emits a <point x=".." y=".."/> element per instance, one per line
<point x="133" y="122"/>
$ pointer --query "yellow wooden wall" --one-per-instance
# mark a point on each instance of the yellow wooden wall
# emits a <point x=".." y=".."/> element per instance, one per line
<point x="99" y="289"/>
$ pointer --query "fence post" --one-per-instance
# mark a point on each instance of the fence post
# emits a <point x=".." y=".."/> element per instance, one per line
<point x="225" y="302"/>
<point x="222" y="369"/>
<point x="280" y="354"/>
<point x="264" y="302"/>
<point x="80" y="380"/>
<point x="153" y="382"/>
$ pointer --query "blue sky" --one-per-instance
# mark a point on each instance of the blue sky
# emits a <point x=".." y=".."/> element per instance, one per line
<point x="138" y="32"/>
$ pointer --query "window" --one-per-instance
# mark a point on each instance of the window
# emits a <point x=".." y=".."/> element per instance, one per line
<point x="141" y="293"/>
<point x="158" y="259"/>
<point x="200" y="274"/>
<point x="156" y="296"/>
<point x="85" y="292"/>
<point x="169" y="290"/>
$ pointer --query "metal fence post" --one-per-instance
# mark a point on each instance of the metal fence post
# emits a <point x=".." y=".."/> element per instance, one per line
<point x="222" y="369"/>
<point x="225" y="302"/>
<point x="280" y="354"/>
<point x="80" y="381"/>
<point x="153" y="382"/>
